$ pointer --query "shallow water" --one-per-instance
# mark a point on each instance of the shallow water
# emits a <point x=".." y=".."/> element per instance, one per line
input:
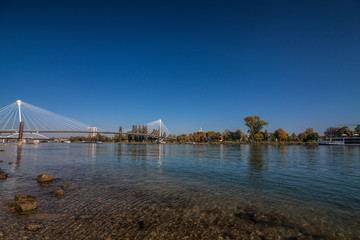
<point x="184" y="191"/>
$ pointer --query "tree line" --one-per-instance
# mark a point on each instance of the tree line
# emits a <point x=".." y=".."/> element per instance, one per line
<point x="255" y="133"/>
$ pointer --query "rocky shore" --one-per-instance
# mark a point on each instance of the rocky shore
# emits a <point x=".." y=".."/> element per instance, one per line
<point x="121" y="213"/>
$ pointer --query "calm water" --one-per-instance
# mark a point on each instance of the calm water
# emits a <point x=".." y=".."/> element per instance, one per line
<point x="184" y="191"/>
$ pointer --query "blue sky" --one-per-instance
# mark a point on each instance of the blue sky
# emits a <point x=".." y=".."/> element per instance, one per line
<point x="193" y="64"/>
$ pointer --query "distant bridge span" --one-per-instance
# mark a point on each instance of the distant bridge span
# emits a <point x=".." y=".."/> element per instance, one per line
<point x="35" y="121"/>
<point x="84" y="132"/>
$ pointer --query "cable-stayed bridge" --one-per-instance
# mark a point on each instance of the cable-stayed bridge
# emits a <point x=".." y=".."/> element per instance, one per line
<point x="21" y="120"/>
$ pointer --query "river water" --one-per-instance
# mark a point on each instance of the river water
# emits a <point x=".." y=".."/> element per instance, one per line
<point x="149" y="191"/>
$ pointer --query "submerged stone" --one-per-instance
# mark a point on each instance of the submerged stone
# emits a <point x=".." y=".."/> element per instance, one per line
<point x="59" y="193"/>
<point x="3" y="175"/>
<point x="64" y="186"/>
<point x="10" y="163"/>
<point x="24" y="203"/>
<point x="33" y="227"/>
<point x="44" y="178"/>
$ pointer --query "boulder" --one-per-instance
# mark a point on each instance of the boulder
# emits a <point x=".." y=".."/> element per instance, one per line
<point x="24" y="203"/>
<point x="44" y="178"/>
<point x="59" y="193"/>
<point x="3" y="175"/>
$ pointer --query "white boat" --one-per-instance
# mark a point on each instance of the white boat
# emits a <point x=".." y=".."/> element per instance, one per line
<point x="345" y="141"/>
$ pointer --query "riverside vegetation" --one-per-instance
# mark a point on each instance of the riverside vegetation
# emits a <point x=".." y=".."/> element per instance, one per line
<point x="255" y="135"/>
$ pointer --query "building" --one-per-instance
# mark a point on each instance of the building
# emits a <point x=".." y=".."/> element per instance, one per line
<point x="91" y="131"/>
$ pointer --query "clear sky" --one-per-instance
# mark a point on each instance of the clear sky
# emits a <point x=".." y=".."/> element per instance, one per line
<point x="193" y="64"/>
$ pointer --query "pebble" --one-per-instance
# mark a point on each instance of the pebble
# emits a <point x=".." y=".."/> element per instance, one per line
<point x="10" y="163"/>
<point x="33" y="227"/>
<point x="59" y="193"/>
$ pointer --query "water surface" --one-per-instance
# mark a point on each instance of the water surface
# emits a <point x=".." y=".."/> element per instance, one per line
<point x="184" y="191"/>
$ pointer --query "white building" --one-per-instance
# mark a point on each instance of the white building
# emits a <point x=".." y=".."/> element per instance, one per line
<point x="92" y="130"/>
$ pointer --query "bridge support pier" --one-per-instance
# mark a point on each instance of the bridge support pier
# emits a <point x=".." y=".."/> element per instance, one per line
<point x="21" y="132"/>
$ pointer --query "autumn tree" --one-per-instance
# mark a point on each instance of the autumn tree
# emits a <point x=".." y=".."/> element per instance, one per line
<point x="280" y="134"/>
<point x="331" y="132"/>
<point x="255" y="125"/>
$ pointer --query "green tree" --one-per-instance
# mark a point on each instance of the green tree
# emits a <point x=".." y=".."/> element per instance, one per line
<point x="357" y="129"/>
<point x="258" y="137"/>
<point x="255" y="125"/>
<point x="344" y="131"/>
<point x="266" y="135"/>
<point x="309" y="135"/>
<point x="312" y="137"/>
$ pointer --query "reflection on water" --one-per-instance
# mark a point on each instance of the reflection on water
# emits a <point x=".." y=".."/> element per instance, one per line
<point x="91" y="149"/>
<point x="256" y="160"/>
<point x="179" y="190"/>
<point x="18" y="154"/>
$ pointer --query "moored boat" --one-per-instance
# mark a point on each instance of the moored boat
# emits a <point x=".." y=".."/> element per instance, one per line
<point x="345" y="141"/>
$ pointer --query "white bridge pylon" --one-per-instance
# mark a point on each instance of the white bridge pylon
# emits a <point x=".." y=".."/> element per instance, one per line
<point x="37" y="121"/>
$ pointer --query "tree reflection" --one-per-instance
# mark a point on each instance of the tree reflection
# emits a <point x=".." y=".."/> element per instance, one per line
<point x="256" y="159"/>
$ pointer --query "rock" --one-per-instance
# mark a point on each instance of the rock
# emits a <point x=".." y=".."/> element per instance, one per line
<point x="3" y="175"/>
<point x="1" y="150"/>
<point x="1" y="160"/>
<point x="10" y="163"/>
<point x="23" y="197"/>
<point x="64" y="186"/>
<point x="1" y="234"/>
<point x="32" y="227"/>
<point x="24" y="203"/>
<point x="59" y="193"/>
<point x="44" y="178"/>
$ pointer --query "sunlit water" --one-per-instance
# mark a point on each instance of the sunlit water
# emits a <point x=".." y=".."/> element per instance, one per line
<point x="184" y="191"/>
